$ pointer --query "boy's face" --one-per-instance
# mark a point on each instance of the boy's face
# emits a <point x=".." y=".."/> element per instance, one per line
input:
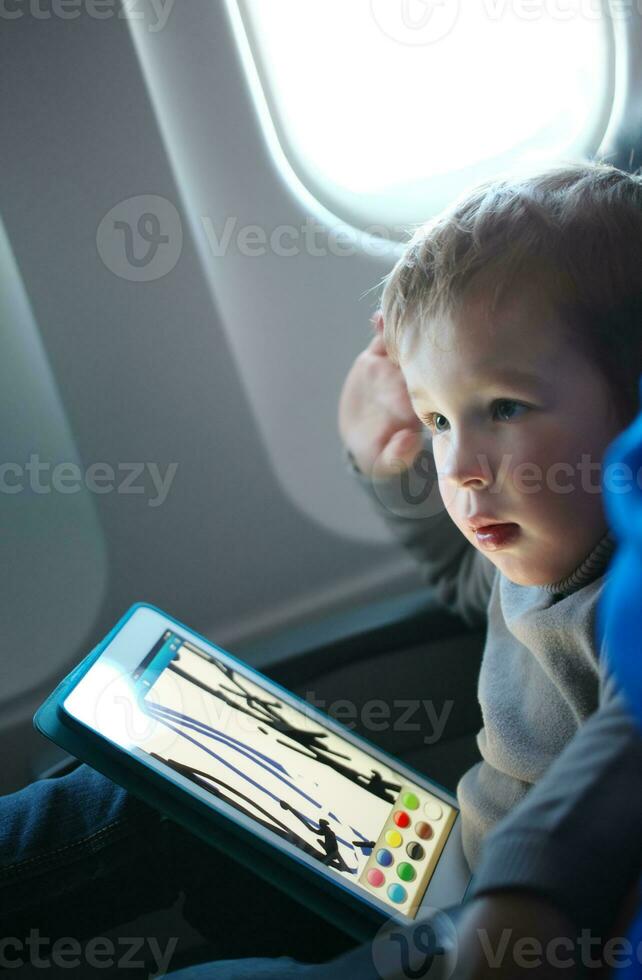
<point x="526" y="452"/>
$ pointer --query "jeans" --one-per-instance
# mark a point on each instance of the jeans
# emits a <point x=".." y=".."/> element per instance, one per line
<point x="63" y="840"/>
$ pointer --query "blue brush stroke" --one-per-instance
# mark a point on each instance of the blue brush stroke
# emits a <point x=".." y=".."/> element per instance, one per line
<point x="239" y="772"/>
<point x="216" y="734"/>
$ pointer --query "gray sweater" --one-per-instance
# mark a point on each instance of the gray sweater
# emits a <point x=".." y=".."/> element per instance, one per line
<point x="551" y="716"/>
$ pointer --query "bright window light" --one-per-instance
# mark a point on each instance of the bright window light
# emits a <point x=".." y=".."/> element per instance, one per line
<point x="387" y="109"/>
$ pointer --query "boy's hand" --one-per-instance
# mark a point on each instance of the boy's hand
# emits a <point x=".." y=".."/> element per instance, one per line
<point x="541" y="940"/>
<point x="376" y="419"/>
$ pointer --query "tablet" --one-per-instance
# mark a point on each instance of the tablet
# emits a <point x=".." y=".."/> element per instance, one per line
<point x="268" y="766"/>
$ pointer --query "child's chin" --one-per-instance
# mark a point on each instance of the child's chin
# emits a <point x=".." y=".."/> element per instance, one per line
<point x="519" y="572"/>
<point x="525" y="576"/>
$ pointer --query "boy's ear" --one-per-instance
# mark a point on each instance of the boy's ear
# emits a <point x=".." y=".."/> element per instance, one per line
<point x="377" y="321"/>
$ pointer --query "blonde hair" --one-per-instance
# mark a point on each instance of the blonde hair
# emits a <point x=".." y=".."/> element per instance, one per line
<point x="580" y="225"/>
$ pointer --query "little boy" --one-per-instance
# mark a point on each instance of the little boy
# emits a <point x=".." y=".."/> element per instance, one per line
<point x="511" y="330"/>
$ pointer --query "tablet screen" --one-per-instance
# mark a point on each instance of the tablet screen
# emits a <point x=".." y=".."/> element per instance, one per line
<point x="280" y="766"/>
<point x="285" y="770"/>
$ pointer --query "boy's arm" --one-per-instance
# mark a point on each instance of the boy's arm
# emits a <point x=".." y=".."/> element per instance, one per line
<point x="412" y="507"/>
<point x="575" y="840"/>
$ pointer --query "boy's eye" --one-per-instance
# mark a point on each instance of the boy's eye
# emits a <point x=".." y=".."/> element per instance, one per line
<point x="430" y="420"/>
<point x="503" y="406"/>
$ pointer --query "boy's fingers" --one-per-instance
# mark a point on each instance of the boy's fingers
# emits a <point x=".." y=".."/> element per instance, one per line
<point x="402" y="449"/>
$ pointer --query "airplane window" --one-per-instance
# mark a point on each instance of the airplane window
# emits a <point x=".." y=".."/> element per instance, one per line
<point x="385" y="109"/>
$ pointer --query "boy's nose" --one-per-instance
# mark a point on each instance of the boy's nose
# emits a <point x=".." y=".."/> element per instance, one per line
<point x="467" y="466"/>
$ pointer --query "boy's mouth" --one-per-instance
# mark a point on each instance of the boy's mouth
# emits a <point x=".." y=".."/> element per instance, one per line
<point x="479" y="521"/>
<point x="495" y="536"/>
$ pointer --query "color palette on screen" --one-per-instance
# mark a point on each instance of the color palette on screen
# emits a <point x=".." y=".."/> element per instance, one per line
<point x="405" y="856"/>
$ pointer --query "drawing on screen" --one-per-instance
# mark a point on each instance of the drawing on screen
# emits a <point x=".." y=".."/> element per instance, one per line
<point x="270" y="761"/>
